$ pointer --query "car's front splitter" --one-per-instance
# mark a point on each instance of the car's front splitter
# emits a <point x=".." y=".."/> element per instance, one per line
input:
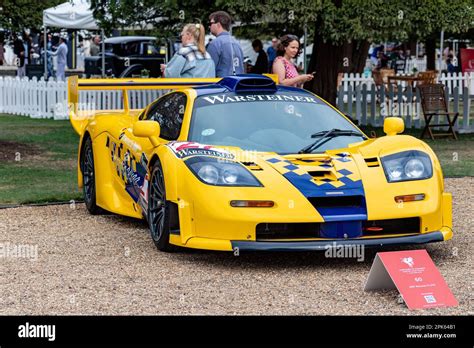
<point x="329" y="243"/>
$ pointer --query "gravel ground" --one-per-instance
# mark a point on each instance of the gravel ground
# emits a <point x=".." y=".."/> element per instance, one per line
<point x="108" y="265"/>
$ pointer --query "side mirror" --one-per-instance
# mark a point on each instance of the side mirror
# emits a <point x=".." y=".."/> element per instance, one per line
<point x="393" y="125"/>
<point x="147" y="129"/>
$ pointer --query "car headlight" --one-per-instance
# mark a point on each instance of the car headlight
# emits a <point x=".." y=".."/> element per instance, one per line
<point x="220" y="172"/>
<point x="406" y="166"/>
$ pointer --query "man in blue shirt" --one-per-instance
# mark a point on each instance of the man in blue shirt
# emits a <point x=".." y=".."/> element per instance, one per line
<point x="224" y="49"/>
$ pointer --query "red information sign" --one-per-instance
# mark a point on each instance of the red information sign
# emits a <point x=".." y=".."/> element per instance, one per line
<point x="415" y="275"/>
<point x="467" y="60"/>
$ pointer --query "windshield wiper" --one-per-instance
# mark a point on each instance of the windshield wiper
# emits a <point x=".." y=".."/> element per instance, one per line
<point x="325" y="136"/>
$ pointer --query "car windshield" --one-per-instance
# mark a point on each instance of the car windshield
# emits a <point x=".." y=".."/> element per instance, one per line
<point x="280" y="122"/>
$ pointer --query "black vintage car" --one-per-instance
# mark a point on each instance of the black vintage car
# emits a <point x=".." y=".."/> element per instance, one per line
<point x="127" y="56"/>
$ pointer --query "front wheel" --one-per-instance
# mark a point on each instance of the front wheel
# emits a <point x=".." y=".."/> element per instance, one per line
<point x="158" y="209"/>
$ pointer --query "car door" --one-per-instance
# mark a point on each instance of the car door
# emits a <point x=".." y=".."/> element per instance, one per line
<point x="168" y="111"/>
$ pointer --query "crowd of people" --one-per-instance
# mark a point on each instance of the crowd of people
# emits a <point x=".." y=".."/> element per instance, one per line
<point x="28" y="49"/>
<point x="223" y="56"/>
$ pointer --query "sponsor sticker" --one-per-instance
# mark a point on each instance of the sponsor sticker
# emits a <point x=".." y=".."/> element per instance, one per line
<point x="187" y="149"/>
<point x="226" y="99"/>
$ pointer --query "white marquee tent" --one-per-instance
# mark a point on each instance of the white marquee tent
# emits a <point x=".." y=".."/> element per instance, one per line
<point x="74" y="14"/>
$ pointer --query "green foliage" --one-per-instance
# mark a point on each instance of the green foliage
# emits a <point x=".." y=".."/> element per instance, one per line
<point x="338" y="21"/>
<point x="17" y="15"/>
<point x="162" y="18"/>
<point x="342" y="21"/>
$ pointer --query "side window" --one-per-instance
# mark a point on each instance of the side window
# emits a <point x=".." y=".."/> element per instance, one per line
<point x="168" y="112"/>
<point x="149" y="49"/>
<point x="130" y="48"/>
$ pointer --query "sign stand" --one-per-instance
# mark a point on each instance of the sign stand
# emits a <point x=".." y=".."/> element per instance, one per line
<point x="414" y="274"/>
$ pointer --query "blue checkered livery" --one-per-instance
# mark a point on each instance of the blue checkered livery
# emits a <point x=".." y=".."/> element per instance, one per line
<point x="337" y="177"/>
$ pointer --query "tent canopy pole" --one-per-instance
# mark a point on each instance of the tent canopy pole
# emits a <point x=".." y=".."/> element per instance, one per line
<point x="103" y="52"/>
<point x="440" y="59"/>
<point x="304" y="47"/>
<point x="45" y="44"/>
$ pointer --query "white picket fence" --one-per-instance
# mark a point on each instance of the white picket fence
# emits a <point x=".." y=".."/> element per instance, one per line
<point x="455" y="80"/>
<point x="48" y="99"/>
<point x="38" y="99"/>
<point x="418" y="63"/>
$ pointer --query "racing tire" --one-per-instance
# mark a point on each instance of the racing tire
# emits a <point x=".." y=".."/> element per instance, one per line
<point x="88" y="175"/>
<point x="159" y="210"/>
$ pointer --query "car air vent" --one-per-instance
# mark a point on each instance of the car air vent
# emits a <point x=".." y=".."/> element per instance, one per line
<point x="266" y="85"/>
<point x="252" y="165"/>
<point x="308" y="160"/>
<point x="318" y="173"/>
<point x="249" y="83"/>
<point x="372" y="162"/>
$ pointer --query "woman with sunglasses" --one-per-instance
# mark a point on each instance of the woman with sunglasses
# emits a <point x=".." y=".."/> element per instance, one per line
<point x="191" y="60"/>
<point x="287" y="50"/>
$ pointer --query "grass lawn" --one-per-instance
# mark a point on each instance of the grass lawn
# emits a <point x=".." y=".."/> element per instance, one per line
<point x="38" y="159"/>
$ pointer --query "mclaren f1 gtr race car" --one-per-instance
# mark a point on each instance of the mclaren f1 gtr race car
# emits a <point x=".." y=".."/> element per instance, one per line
<point x="244" y="163"/>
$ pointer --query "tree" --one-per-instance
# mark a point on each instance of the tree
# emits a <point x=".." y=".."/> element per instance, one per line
<point x="164" y="17"/>
<point x="342" y="30"/>
<point x="18" y="15"/>
<point x="454" y="17"/>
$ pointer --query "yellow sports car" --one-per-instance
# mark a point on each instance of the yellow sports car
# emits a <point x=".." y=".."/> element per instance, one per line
<point x="244" y="163"/>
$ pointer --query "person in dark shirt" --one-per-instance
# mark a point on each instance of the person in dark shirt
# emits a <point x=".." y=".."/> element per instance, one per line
<point x="272" y="53"/>
<point x="19" y="50"/>
<point x="261" y="65"/>
<point x="449" y="62"/>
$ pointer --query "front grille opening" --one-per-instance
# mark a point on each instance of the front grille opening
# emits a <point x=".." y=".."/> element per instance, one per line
<point x="287" y="230"/>
<point x="392" y="226"/>
<point x="334" y="202"/>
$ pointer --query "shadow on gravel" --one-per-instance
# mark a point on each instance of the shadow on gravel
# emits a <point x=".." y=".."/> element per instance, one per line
<point x="439" y="252"/>
<point x="285" y="260"/>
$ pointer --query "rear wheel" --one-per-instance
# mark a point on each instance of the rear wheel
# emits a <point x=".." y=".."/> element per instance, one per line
<point x="88" y="175"/>
<point x="158" y="209"/>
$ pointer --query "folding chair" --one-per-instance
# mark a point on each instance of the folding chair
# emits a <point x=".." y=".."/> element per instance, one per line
<point x="382" y="82"/>
<point x="427" y="77"/>
<point x="433" y="102"/>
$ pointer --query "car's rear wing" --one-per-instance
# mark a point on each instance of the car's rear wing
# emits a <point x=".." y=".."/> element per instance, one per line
<point x="81" y="111"/>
